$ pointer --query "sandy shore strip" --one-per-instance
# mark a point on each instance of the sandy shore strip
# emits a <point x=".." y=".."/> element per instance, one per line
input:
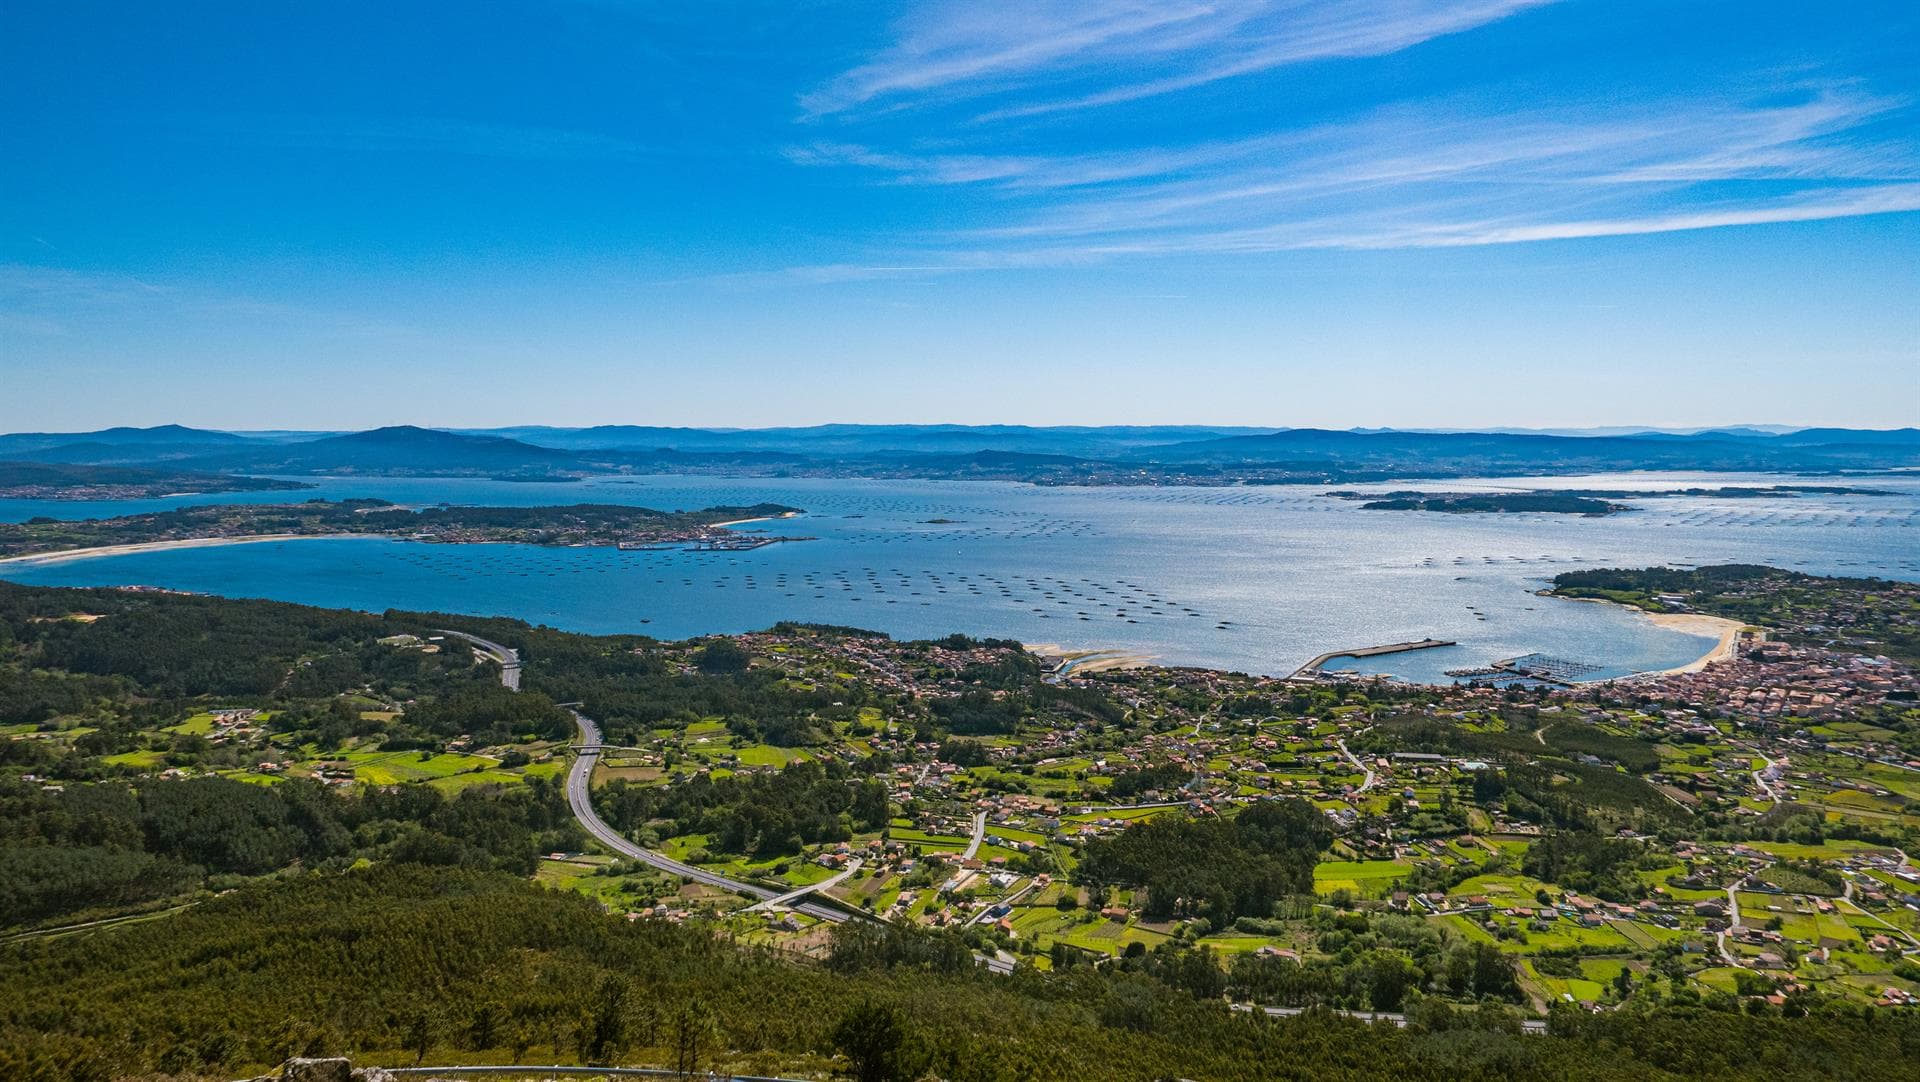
<point x="1726" y="632"/>
<point x="744" y="521"/>
<point x="65" y="555"/>
<point x="1083" y="661"/>
<point x="1723" y="631"/>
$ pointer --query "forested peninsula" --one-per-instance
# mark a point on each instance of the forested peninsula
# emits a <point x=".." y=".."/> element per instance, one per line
<point x="574" y="525"/>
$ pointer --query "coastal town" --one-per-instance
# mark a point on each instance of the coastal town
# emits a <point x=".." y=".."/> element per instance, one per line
<point x="1734" y="831"/>
<point x="1801" y="885"/>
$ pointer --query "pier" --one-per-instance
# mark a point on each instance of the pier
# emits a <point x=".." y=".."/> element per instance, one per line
<point x="1311" y="670"/>
<point x="1547" y="669"/>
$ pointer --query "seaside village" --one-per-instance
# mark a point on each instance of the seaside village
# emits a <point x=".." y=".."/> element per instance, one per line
<point x="1757" y="805"/>
<point x="987" y="831"/>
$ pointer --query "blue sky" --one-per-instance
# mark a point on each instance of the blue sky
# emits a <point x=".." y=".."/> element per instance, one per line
<point x="1306" y="212"/>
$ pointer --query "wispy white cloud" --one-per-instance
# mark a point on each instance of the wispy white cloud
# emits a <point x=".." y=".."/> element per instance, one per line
<point x="1429" y="174"/>
<point x="1359" y="234"/>
<point x="1813" y="206"/>
<point x="1091" y="54"/>
<point x="1472" y="166"/>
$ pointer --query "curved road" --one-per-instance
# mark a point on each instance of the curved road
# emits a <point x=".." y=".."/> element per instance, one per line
<point x="1368" y="783"/>
<point x="579" y="789"/>
<point x="507" y="656"/>
<point x="1733" y="921"/>
<point x="580" y="784"/>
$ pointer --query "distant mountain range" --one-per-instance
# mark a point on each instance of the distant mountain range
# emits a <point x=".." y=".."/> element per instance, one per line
<point x="1156" y="454"/>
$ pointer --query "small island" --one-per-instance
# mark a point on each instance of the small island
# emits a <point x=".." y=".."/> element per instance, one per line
<point x="573" y="525"/>
<point x="1485" y="503"/>
<point x="1576" y="501"/>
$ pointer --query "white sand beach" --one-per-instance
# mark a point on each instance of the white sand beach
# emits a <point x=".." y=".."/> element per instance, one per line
<point x="66" y="555"/>
<point x="1083" y="661"/>
<point x="1726" y="632"/>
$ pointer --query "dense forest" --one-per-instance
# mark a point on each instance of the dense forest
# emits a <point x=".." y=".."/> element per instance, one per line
<point x="1214" y="867"/>
<point x="399" y="963"/>
<point x="762" y="815"/>
<point x="108" y="845"/>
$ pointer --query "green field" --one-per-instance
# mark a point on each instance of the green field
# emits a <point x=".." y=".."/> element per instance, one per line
<point x="402" y="767"/>
<point x="1371" y="878"/>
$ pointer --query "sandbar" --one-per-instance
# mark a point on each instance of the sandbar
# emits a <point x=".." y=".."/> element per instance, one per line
<point x="64" y="555"/>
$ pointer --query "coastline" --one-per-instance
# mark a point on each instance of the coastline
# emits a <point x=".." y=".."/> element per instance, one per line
<point x="744" y="521"/>
<point x="1726" y="631"/>
<point x="1723" y="630"/>
<point x="64" y="555"/>
<point x="95" y="551"/>
<point x="1086" y="660"/>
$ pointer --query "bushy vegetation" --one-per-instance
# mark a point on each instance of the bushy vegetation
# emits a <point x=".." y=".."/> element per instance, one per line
<point x="1149" y="779"/>
<point x="1543" y="780"/>
<point x="394" y="964"/>
<point x="1214" y="867"/>
<point x="1585" y="862"/>
<point x="760" y="815"/>
<point x="1797" y="606"/>
<point x="109" y="845"/>
<point x="1381" y="962"/>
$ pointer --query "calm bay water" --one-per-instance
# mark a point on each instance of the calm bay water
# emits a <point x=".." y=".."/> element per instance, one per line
<point x="1258" y="579"/>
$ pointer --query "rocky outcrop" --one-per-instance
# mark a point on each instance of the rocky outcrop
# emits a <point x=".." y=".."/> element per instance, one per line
<point x="332" y="1069"/>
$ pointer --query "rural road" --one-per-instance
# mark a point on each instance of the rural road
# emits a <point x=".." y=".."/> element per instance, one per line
<point x="1355" y="760"/>
<point x="1759" y="776"/>
<point x="979" y="833"/>
<point x="1733" y="921"/>
<point x="981" y="916"/>
<point x="828" y="883"/>
<point x="1846" y="895"/>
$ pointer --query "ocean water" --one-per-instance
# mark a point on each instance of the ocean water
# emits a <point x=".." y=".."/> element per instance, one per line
<point x="1255" y="579"/>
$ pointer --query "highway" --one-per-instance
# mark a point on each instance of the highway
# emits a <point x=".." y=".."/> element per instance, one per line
<point x="579" y="798"/>
<point x="507" y="656"/>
